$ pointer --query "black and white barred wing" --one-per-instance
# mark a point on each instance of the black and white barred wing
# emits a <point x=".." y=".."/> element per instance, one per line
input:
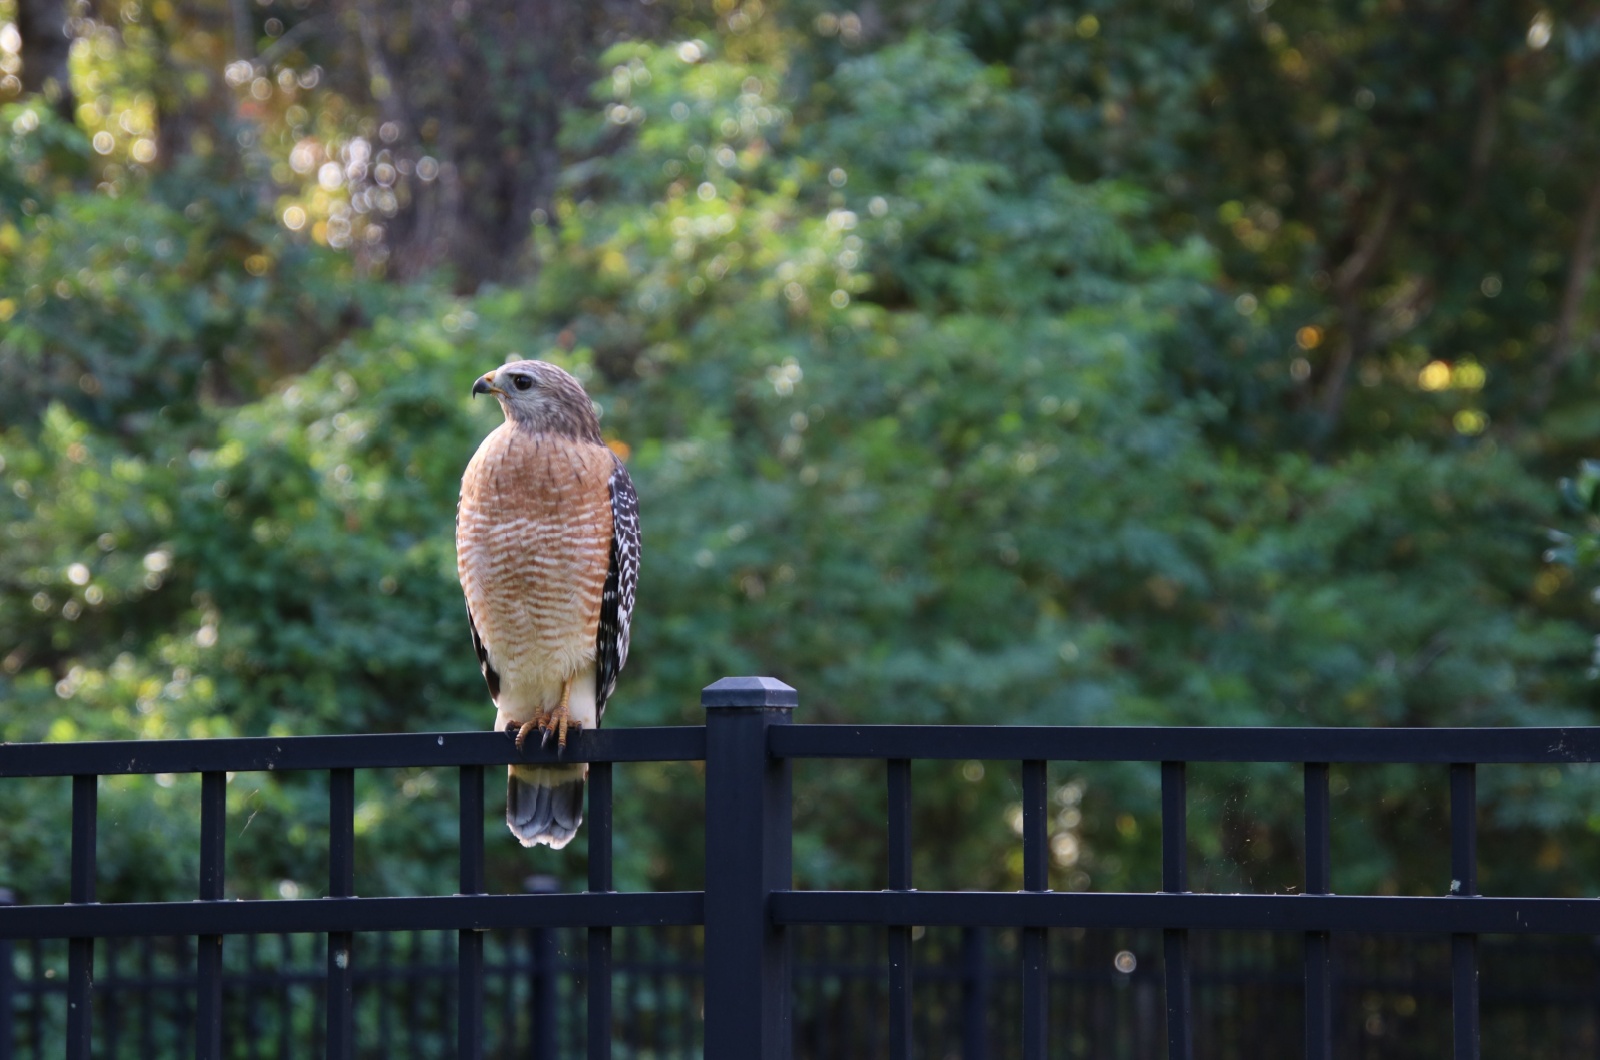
<point x="616" y="602"/>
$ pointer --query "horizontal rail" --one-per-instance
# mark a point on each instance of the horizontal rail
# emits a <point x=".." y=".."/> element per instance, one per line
<point x="377" y="751"/>
<point x="472" y="912"/>
<point x="687" y="743"/>
<point x="1071" y="743"/>
<point x="1240" y="912"/>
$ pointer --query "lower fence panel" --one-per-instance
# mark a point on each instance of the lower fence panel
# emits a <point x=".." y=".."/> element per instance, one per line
<point x="1540" y="995"/>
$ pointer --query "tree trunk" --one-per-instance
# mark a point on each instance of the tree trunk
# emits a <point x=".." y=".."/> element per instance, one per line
<point x="46" y="44"/>
<point x="482" y="97"/>
<point x="1350" y="281"/>
<point x="1579" y="265"/>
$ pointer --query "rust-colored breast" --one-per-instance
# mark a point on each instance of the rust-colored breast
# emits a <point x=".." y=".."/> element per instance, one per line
<point x="533" y="542"/>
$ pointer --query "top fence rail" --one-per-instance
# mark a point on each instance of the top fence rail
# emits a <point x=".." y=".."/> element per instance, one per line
<point x="1071" y="743"/>
<point x="381" y="751"/>
<point x="1489" y="746"/>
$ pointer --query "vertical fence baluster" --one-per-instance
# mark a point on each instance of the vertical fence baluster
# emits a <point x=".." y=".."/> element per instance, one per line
<point x="1319" y="880"/>
<point x="510" y="1024"/>
<point x="1035" y="940"/>
<point x="8" y="985"/>
<point x="147" y="995"/>
<point x="632" y="975"/>
<point x="542" y="974"/>
<point x="974" y="994"/>
<point x="109" y="986"/>
<point x="286" y="962"/>
<point x="36" y="1007"/>
<point x="387" y="984"/>
<point x="80" y="951"/>
<point x="1175" y="879"/>
<point x="418" y="993"/>
<point x="469" y="944"/>
<point x="340" y="1009"/>
<point x="208" y="948"/>
<point x="252" y="992"/>
<point x="749" y="855"/>
<point x="1464" y="882"/>
<point x="900" y="935"/>
<point x="599" y="935"/>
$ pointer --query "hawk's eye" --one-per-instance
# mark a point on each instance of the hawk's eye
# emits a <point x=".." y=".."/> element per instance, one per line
<point x="522" y="382"/>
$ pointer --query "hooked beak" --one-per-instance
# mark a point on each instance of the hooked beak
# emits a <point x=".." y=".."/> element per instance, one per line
<point x="485" y="385"/>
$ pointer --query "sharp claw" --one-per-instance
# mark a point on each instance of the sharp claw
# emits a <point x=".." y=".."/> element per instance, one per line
<point x="544" y="741"/>
<point x="522" y="733"/>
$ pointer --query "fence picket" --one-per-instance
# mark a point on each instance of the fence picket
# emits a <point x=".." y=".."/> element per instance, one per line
<point x="469" y="943"/>
<point x="1175" y="880"/>
<point x="80" y="952"/>
<point x="208" y="955"/>
<point x="899" y="771"/>
<point x="1464" y="883"/>
<point x="1035" y="940"/>
<point x="340" y="1001"/>
<point x="1318" y="946"/>
<point x="600" y="935"/>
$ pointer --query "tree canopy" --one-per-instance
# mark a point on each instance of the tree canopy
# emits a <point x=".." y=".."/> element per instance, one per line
<point x="1140" y="364"/>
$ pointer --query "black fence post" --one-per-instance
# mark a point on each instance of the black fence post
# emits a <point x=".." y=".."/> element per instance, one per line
<point x="8" y="986"/>
<point x="542" y="977"/>
<point x="748" y="856"/>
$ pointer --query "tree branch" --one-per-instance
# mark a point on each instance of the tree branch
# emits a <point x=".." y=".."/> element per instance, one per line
<point x="1581" y="263"/>
<point x="289" y="41"/>
<point x="1349" y="282"/>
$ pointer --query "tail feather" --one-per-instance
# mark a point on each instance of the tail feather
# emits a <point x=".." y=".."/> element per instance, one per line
<point x="545" y="804"/>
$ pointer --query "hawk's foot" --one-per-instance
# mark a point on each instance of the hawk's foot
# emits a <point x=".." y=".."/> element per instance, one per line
<point x="559" y="719"/>
<point x="523" y="730"/>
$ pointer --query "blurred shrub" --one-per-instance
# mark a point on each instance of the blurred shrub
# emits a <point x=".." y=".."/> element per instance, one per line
<point x="898" y="399"/>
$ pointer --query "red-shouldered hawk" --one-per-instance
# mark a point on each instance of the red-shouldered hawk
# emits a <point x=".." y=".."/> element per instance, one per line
<point x="547" y="546"/>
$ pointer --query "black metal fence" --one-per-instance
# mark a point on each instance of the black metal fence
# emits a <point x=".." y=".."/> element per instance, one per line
<point x="749" y="911"/>
<point x="1540" y="996"/>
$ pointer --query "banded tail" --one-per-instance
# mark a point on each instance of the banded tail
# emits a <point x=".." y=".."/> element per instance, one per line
<point x="544" y="804"/>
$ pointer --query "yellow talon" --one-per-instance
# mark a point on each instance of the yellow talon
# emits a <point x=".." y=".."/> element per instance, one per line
<point x="522" y="732"/>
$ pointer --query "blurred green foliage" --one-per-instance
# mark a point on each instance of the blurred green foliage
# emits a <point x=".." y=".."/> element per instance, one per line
<point x="1028" y="373"/>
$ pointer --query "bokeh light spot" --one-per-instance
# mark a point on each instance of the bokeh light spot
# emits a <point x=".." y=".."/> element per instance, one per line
<point x="1435" y="375"/>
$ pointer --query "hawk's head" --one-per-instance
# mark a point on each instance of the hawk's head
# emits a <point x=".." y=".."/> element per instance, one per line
<point x="541" y="397"/>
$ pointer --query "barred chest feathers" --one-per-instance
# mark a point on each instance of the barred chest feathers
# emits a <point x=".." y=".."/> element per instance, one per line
<point x="533" y="541"/>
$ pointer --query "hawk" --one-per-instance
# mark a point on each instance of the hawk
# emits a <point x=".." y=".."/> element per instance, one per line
<point x="547" y="547"/>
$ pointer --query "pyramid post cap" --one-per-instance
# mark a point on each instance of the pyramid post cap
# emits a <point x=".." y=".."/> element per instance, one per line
<point x="749" y="692"/>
